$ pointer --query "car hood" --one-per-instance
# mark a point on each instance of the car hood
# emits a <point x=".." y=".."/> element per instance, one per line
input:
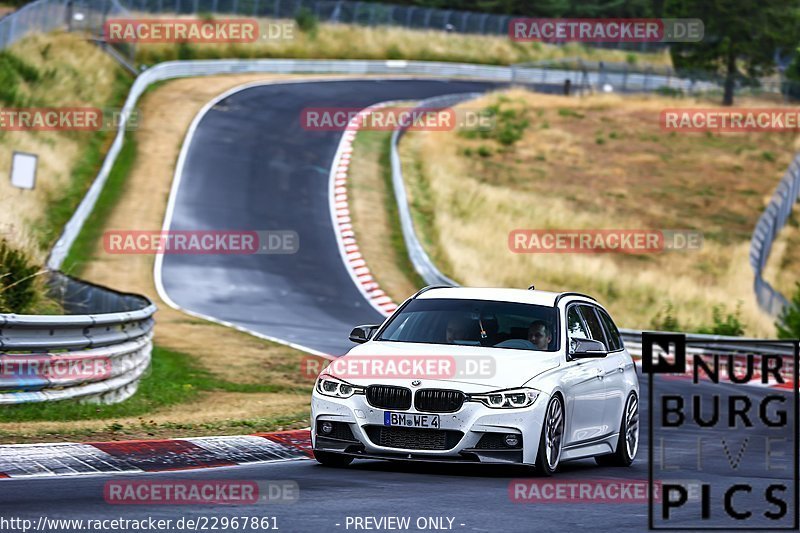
<point x="471" y="368"/>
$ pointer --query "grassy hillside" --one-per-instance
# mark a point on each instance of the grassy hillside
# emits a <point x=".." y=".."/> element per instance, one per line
<point x="599" y="162"/>
<point x="58" y="70"/>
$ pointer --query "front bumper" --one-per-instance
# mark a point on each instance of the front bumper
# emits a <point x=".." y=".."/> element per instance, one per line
<point x="464" y="440"/>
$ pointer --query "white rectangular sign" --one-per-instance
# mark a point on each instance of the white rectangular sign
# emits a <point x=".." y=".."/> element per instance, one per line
<point x="23" y="170"/>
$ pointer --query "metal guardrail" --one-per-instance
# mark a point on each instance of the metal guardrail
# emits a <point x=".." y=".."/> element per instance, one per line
<point x="102" y="327"/>
<point x="419" y="258"/>
<point x="769" y="225"/>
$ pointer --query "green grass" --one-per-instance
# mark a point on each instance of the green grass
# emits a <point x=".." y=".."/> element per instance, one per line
<point x="148" y="429"/>
<point x="171" y="379"/>
<point x="92" y="231"/>
<point x="380" y="142"/>
<point x="62" y="207"/>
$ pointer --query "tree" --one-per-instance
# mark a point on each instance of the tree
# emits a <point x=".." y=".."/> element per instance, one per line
<point x="741" y="37"/>
<point x="788" y="323"/>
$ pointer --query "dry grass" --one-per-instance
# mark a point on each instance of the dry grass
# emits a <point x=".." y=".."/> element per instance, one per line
<point x="75" y="73"/>
<point x="559" y="175"/>
<point x="345" y="41"/>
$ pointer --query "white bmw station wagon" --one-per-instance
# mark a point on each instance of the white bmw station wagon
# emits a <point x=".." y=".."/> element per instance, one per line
<point x="482" y="375"/>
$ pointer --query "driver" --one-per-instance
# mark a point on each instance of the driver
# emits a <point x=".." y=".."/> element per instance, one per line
<point x="540" y="335"/>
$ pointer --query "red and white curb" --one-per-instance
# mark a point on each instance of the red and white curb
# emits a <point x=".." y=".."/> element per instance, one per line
<point x="342" y="224"/>
<point x="71" y="459"/>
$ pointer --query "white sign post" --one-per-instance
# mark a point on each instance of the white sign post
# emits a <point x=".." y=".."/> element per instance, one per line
<point x="23" y="170"/>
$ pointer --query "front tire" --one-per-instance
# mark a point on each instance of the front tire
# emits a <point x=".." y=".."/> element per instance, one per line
<point x="334" y="460"/>
<point x="552" y="438"/>
<point x="628" y="441"/>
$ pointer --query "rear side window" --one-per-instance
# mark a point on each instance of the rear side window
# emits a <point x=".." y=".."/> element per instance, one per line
<point x="595" y="328"/>
<point x="575" y="327"/>
<point x="612" y="332"/>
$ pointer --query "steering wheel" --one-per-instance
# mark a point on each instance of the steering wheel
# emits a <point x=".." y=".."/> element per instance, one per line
<point x="517" y="344"/>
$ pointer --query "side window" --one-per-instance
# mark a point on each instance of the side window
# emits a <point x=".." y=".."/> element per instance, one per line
<point x="611" y="331"/>
<point x="593" y="322"/>
<point x="575" y="327"/>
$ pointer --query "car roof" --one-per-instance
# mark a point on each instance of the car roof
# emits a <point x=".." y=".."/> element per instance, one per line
<point x="535" y="297"/>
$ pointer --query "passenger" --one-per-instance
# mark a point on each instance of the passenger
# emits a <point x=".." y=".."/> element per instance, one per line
<point x="540" y="335"/>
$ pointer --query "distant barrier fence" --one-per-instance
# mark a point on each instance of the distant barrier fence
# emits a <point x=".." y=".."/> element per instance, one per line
<point x="47" y="15"/>
<point x="604" y="75"/>
<point x="360" y="13"/>
<point x="102" y="329"/>
<point x="39" y="16"/>
<point x="772" y="220"/>
<point x="44" y="16"/>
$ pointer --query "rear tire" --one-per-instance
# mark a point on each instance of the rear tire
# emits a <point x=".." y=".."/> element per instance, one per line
<point x="628" y="441"/>
<point x="550" y="442"/>
<point x="334" y="460"/>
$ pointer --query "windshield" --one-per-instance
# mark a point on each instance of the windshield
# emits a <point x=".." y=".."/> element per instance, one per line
<point x="475" y="323"/>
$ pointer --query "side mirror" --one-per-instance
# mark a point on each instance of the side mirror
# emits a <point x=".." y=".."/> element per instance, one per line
<point x="586" y="349"/>
<point x="361" y="334"/>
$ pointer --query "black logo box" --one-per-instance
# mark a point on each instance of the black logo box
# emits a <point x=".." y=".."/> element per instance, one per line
<point x="665" y="340"/>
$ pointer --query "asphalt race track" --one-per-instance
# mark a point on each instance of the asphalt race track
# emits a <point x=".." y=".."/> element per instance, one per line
<point x="252" y="166"/>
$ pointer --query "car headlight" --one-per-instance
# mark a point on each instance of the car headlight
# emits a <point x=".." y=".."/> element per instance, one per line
<point x="507" y="399"/>
<point x="330" y="386"/>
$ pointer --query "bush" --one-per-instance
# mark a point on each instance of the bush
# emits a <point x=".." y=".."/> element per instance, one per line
<point x="18" y="290"/>
<point x="306" y="21"/>
<point x="14" y="70"/>
<point x="669" y="91"/>
<point x="788" y="323"/>
<point x="730" y="324"/>
<point x="665" y="320"/>
<point x="185" y="51"/>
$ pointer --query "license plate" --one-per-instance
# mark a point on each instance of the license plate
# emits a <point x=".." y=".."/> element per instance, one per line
<point x="410" y="420"/>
